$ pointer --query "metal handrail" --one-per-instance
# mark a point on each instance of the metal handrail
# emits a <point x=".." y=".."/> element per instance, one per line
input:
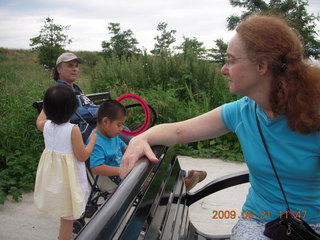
<point x="106" y="221"/>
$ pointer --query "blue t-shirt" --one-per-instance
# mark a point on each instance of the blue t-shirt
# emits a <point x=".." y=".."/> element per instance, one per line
<point x="296" y="158"/>
<point x="107" y="151"/>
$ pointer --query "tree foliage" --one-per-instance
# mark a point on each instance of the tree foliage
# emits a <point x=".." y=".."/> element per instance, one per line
<point x="122" y="43"/>
<point x="218" y="54"/>
<point x="50" y="42"/>
<point x="192" y="47"/>
<point x="293" y="10"/>
<point x="164" y="40"/>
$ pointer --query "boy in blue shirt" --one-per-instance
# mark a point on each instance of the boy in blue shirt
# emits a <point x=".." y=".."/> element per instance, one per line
<point x="107" y="153"/>
<point x="108" y="150"/>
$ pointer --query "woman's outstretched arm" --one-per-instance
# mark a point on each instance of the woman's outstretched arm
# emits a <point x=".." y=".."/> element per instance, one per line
<point x="205" y="126"/>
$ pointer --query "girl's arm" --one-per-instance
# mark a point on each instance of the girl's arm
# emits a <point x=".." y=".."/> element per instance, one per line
<point x="105" y="170"/>
<point x="81" y="151"/>
<point x="41" y="120"/>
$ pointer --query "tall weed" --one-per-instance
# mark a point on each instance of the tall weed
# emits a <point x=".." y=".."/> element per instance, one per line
<point x="21" y="82"/>
<point x="178" y="87"/>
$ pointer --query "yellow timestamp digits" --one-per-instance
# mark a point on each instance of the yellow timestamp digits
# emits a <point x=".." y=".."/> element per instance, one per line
<point x="251" y="215"/>
<point x="224" y="214"/>
<point x="299" y="214"/>
<point x="232" y="214"/>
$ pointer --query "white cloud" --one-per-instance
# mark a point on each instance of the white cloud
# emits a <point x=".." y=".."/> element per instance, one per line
<point x="205" y="20"/>
<point x="21" y="20"/>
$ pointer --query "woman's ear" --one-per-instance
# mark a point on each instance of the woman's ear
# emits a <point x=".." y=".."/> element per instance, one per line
<point x="262" y="67"/>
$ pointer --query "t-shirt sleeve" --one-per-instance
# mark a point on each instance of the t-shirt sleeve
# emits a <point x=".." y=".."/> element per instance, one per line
<point x="97" y="156"/>
<point x="230" y="113"/>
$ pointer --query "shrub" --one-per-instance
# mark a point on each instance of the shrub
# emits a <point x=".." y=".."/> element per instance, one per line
<point x="21" y="82"/>
<point x="178" y="87"/>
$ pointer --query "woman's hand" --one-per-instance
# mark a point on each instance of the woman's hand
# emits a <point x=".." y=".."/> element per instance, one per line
<point x="137" y="148"/>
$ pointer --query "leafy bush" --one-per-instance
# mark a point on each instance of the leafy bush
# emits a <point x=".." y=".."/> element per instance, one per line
<point x="21" y="83"/>
<point x="178" y="87"/>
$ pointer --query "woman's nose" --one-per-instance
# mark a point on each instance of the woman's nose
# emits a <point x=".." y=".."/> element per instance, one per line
<point x="224" y="70"/>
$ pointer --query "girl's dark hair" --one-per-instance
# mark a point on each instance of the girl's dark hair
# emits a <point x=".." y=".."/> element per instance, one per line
<point x="111" y="109"/>
<point x="296" y="85"/>
<point x="59" y="103"/>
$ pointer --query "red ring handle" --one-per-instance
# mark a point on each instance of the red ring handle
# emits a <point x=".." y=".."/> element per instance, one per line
<point x="146" y="110"/>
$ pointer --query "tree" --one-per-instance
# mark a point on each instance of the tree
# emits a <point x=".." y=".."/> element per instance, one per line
<point x="218" y="54"/>
<point x="193" y="47"/>
<point x="50" y="42"/>
<point x="122" y="43"/>
<point x="294" y="10"/>
<point x="162" y="46"/>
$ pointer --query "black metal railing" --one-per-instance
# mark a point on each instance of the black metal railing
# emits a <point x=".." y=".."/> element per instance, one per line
<point x="113" y="214"/>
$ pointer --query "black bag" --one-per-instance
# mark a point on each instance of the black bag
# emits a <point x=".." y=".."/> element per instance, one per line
<point x="85" y="128"/>
<point x="288" y="226"/>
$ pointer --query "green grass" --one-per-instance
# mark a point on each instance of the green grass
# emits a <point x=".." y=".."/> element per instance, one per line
<point x="178" y="88"/>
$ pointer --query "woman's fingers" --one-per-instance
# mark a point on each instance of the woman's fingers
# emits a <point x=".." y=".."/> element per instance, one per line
<point x="132" y="156"/>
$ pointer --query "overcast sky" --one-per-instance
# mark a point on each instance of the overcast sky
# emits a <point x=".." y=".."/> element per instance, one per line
<point x="205" y="20"/>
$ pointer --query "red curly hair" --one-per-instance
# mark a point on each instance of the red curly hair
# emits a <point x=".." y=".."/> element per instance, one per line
<point x="296" y="84"/>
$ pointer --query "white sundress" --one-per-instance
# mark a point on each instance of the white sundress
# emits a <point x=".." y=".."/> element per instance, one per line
<point x="61" y="187"/>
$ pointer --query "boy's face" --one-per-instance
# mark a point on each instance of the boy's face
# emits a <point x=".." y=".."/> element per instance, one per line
<point x="110" y="128"/>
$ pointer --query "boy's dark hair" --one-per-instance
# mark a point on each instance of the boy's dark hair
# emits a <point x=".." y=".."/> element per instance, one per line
<point x="111" y="109"/>
<point x="59" y="103"/>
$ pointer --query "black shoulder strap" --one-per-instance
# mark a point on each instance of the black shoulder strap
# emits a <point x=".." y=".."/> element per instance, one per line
<point x="269" y="156"/>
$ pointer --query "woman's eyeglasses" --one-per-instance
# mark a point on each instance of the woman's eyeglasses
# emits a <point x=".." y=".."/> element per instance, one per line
<point x="230" y="61"/>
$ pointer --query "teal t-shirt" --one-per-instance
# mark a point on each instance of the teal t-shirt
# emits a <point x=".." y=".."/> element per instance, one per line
<point x="107" y="151"/>
<point x="296" y="157"/>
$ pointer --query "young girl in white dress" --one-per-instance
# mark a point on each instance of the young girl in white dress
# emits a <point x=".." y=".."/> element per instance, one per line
<point x="61" y="187"/>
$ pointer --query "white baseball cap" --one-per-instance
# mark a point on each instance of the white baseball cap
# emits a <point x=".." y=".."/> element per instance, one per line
<point x="67" y="57"/>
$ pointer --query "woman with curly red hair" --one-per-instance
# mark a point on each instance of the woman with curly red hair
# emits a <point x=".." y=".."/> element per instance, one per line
<point x="281" y="105"/>
<point x="295" y="87"/>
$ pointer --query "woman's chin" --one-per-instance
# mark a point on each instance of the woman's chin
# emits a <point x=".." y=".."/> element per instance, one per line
<point x="231" y="89"/>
